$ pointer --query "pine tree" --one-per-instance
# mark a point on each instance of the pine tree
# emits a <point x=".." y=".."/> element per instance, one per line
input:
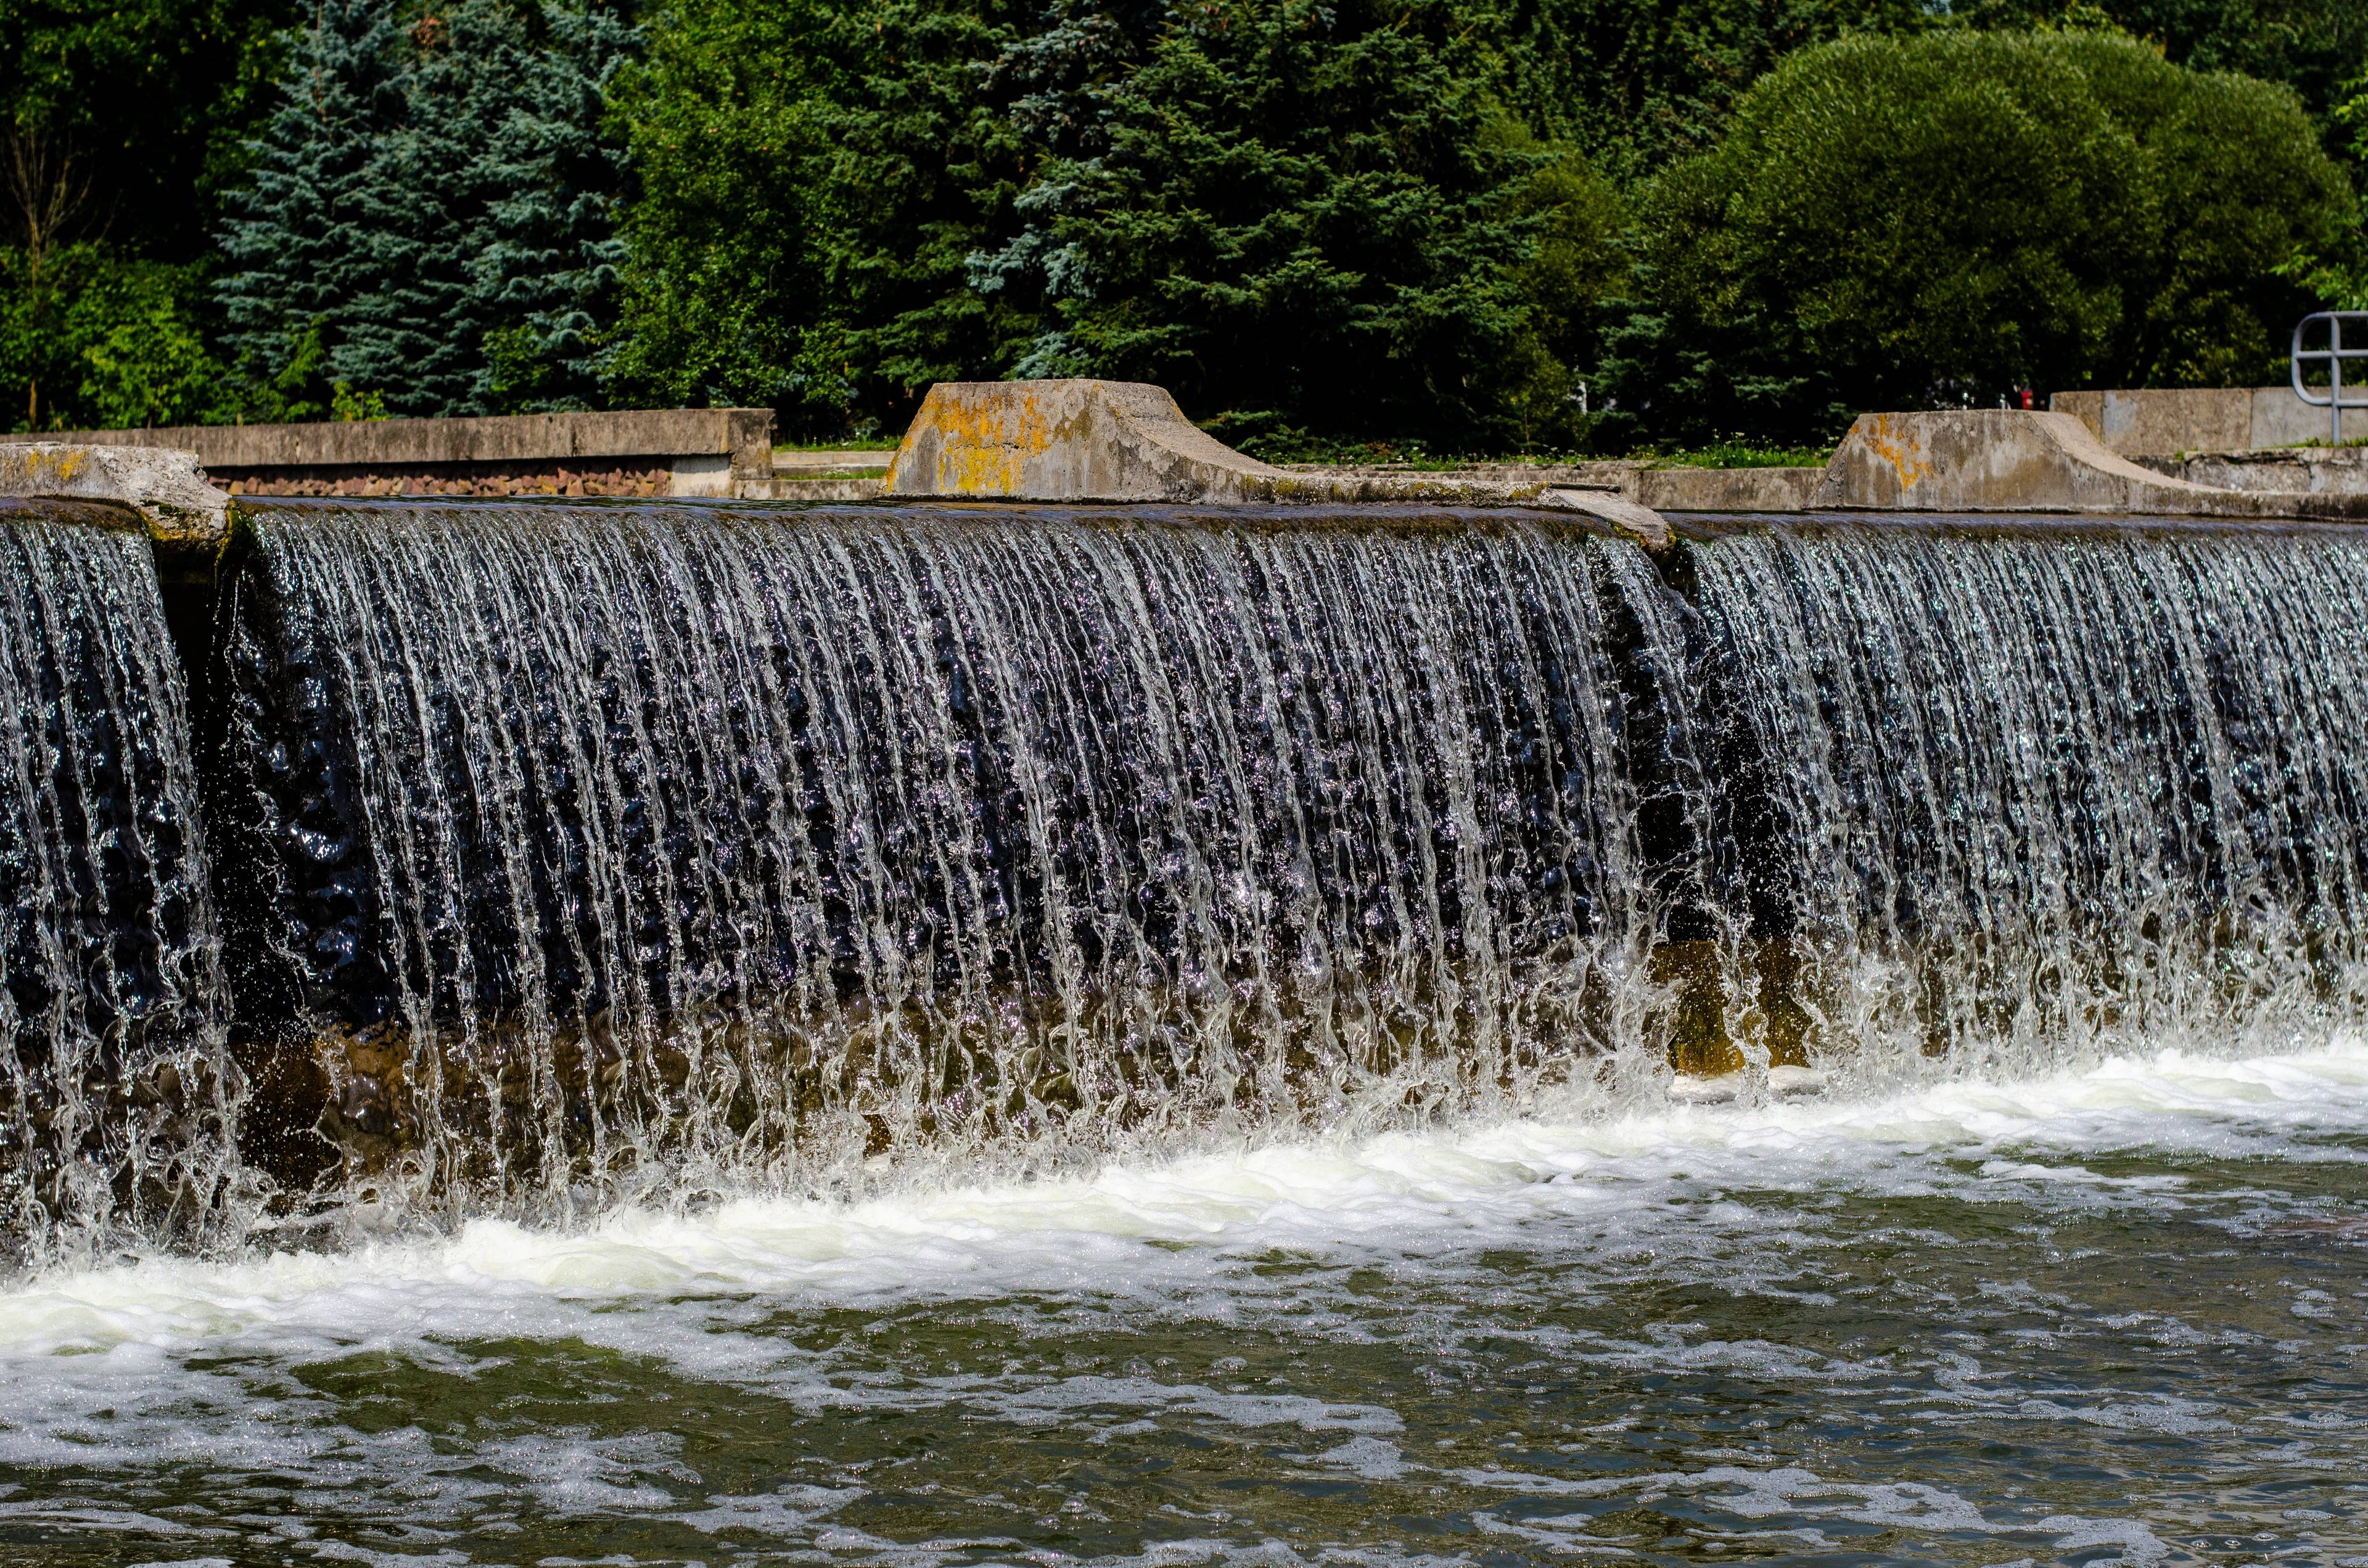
<point x="301" y="246"/>
<point x="452" y="251"/>
<point x="1287" y="206"/>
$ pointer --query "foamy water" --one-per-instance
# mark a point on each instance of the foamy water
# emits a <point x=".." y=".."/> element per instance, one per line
<point x="2110" y="1316"/>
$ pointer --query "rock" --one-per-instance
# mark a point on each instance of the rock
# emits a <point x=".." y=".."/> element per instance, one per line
<point x="165" y="486"/>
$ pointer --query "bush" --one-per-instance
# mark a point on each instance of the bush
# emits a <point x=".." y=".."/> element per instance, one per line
<point x="91" y="338"/>
<point x="1906" y="223"/>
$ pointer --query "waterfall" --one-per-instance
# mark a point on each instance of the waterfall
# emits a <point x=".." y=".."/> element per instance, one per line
<point x="611" y="848"/>
<point x="116" y="1090"/>
<point x="584" y="853"/>
<point x="1999" y="792"/>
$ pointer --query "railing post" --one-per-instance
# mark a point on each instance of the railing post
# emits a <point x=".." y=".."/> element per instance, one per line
<point x="2335" y="354"/>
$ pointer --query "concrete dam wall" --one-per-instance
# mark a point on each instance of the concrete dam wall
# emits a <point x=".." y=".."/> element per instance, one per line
<point x="527" y="856"/>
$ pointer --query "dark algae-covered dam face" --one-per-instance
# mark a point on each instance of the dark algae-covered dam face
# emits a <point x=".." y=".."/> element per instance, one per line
<point x="948" y="1034"/>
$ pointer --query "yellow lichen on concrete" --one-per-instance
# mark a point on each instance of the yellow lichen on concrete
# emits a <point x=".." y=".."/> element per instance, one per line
<point x="1900" y="449"/>
<point x="167" y="488"/>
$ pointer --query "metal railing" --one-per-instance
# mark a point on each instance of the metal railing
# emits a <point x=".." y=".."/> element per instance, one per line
<point x="2335" y="355"/>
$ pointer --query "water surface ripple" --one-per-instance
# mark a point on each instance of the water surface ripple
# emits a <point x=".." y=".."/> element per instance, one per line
<point x="2115" y="1315"/>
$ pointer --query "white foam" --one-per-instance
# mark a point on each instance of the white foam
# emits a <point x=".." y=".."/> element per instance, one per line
<point x="1111" y="1231"/>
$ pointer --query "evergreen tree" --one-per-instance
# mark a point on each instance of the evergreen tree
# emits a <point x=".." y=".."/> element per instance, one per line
<point x="303" y="247"/>
<point x="814" y="175"/>
<point x="431" y="225"/>
<point x="1286" y="207"/>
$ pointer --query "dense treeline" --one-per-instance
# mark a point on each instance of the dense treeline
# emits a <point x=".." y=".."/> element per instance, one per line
<point x="1438" y="220"/>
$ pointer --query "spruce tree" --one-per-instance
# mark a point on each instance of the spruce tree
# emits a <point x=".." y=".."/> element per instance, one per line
<point x="459" y="250"/>
<point x="301" y="247"/>
<point x="1285" y="207"/>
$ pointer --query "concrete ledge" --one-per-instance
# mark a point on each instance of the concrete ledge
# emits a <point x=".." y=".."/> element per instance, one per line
<point x="2165" y="421"/>
<point x="2013" y="460"/>
<point x="1094" y="440"/>
<point x="167" y="488"/>
<point x="1726" y="489"/>
<point x="665" y="451"/>
<point x="2335" y="470"/>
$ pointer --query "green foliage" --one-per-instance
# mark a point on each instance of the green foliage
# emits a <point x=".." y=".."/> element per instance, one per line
<point x="1636" y="83"/>
<point x="1905" y="222"/>
<point x="93" y="338"/>
<point x="430" y="218"/>
<point x="124" y="117"/>
<point x="2312" y="46"/>
<point x="1323" y="210"/>
<point x="814" y="176"/>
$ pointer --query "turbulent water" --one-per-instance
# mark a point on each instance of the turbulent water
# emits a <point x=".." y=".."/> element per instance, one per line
<point x="2111" y="1316"/>
<point x="919" y="1036"/>
<point x="614" y="851"/>
<point x="116" y="1090"/>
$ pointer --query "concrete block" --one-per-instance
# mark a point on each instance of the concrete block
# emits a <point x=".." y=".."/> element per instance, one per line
<point x="2016" y="460"/>
<point x="167" y="488"/>
<point x="2168" y="421"/>
<point x="1094" y="440"/>
<point x="2162" y="420"/>
<point x="1727" y="489"/>
<point x="2282" y="419"/>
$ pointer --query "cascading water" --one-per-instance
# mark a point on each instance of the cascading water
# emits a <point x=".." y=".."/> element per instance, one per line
<point x="608" y="851"/>
<point x="572" y="854"/>
<point x="2007" y="791"/>
<point x="661" y="846"/>
<point x="116" y="1091"/>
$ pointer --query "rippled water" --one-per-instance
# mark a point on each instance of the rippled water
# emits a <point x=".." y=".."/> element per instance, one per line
<point x="2111" y="1316"/>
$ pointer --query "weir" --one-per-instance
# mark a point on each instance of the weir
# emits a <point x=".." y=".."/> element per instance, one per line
<point x="530" y="857"/>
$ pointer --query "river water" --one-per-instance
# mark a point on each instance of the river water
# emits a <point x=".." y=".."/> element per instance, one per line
<point x="649" y="1034"/>
<point x="2118" y="1314"/>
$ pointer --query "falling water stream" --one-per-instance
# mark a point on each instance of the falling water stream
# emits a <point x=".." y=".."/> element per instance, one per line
<point x="718" y="1033"/>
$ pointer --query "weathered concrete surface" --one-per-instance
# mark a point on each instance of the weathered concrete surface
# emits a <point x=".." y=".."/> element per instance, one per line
<point x="1669" y="489"/>
<point x="2336" y="471"/>
<point x="1726" y="489"/>
<point x="1094" y="440"/>
<point x="2164" y="421"/>
<point x="2013" y="460"/>
<point x="849" y="476"/>
<point x="167" y="488"/>
<point x="1072" y="440"/>
<point x="678" y="451"/>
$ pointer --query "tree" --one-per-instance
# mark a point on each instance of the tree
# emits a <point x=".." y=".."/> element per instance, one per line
<point x="130" y="113"/>
<point x="431" y="216"/>
<point x="1637" y="84"/>
<point x="96" y="339"/>
<point x="1896" y="223"/>
<point x="1321" y="210"/>
<point x="814" y="176"/>
<point x="2312" y="46"/>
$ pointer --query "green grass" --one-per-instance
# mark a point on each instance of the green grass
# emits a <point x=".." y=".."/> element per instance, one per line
<point x="1737" y="454"/>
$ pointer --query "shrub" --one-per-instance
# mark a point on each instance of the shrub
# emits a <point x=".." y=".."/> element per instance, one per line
<point x="1907" y="223"/>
